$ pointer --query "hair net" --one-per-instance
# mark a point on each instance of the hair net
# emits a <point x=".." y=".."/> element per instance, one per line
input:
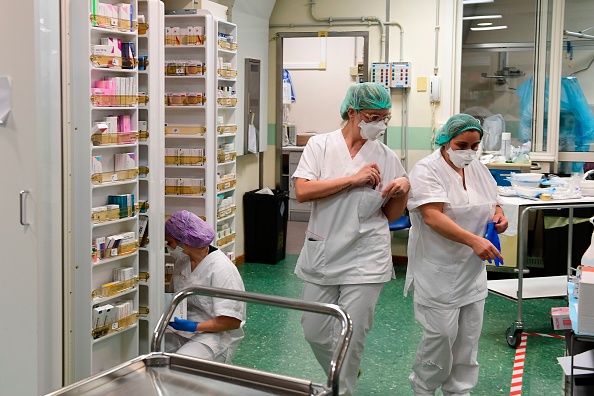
<point x="456" y="125"/>
<point x="189" y="229"/>
<point x="365" y="96"/>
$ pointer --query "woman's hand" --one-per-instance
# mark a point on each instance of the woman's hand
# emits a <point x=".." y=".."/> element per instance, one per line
<point x="485" y="249"/>
<point x="396" y="188"/>
<point x="369" y="174"/>
<point x="500" y="222"/>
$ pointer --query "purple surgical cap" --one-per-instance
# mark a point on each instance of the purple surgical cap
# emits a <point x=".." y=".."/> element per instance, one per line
<point x="189" y="229"/>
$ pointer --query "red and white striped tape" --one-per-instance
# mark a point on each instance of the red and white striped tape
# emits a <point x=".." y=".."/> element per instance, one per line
<point x="518" y="372"/>
<point x="544" y="335"/>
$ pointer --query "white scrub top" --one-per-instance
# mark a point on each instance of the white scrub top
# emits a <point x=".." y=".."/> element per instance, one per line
<point x="347" y="240"/>
<point x="215" y="270"/>
<point x="446" y="274"/>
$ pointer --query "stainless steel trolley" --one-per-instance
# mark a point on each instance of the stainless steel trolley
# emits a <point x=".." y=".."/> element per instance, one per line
<point x="514" y="332"/>
<point x="170" y="374"/>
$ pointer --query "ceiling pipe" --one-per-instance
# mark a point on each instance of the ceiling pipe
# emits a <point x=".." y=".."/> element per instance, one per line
<point x="333" y="23"/>
<point x="435" y="66"/>
<point x="363" y="19"/>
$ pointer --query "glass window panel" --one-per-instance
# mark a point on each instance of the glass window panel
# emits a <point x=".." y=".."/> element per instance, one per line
<point x="576" y="126"/>
<point x="495" y="63"/>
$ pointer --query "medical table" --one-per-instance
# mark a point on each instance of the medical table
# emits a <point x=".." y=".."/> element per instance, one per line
<point x="516" y="208"/>
<point x="159" y="373"/>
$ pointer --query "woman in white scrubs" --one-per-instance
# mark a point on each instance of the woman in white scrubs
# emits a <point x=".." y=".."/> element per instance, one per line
<point x="213" y="329"/>
<point x="453" y="197"/>
<point x="356" y="185"/>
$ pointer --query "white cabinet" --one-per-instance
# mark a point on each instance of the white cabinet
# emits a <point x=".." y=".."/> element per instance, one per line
<point x="31" y="158"/>
<point x="201" y="125"/>
<point x="151" y="184"/>
<point x="103" y="160"/>
<point x="298" y="211"/>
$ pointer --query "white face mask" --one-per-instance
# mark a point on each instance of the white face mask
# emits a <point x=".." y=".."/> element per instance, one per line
<point x="461" y="158"/>
<point x="372" y="130"/>
<point x="177" y="253"/>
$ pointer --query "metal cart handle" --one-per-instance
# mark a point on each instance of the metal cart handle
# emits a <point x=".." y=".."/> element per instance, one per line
<point x="285" y="302"/>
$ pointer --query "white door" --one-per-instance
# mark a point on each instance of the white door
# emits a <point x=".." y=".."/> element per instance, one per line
<point x="30" y="229"/>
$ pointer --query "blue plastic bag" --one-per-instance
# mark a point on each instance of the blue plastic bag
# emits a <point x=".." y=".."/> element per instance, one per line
<point x="492" y="236"/>
<point x="576" y="121"/>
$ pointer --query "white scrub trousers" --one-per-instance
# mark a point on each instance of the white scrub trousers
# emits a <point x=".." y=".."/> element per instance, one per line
<point x="175" y="343"/>
<point x="322" y="331"/>
<point x="448" y="350"/>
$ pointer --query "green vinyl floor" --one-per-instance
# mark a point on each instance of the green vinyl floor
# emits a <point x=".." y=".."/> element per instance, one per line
<point x="274" y="340"/>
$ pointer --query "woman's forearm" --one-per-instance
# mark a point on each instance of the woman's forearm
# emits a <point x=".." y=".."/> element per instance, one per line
<point x="310" y="190"/>
<point x="447" y="228"/>
<point x="218" y="324"/>
<point x="395" y="207"/>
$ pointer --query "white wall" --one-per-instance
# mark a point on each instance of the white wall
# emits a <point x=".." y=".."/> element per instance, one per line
<point x="418" y="22"/>
<point x="251" y="18"/>
<point x="320" y="92"/>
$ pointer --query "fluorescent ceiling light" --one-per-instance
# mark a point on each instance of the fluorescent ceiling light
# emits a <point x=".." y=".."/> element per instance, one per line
<point x="465" y="2"/>
<point x="484" y="24"/>
<point x="489" y="28"/>
<point x="468" y="18"/>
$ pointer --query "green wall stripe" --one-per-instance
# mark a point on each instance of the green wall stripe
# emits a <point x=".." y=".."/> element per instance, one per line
<point x="418" y="137"/>
<point x="271" y="134"/>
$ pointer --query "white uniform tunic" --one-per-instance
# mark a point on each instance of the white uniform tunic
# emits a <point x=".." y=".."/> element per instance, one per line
<point x="449" y="279"/>
<point x="348" y="239"/>
<point x="346" y="257"/>
<point x="446" y="274"/>
<point x="216" y="270"/>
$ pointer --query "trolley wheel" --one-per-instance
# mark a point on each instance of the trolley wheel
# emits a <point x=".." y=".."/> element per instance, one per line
<point x="513" y="340"/>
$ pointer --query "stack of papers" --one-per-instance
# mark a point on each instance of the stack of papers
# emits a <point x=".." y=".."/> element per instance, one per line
<point x="585" y="308"/>
<point x="585" y="359"/>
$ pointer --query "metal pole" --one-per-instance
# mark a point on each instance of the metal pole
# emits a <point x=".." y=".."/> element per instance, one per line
<point x="570" y="242"/>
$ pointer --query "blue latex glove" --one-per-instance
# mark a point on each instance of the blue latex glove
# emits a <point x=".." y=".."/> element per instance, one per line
<point x="184" y="325"/>
<point x="492" y="236"/>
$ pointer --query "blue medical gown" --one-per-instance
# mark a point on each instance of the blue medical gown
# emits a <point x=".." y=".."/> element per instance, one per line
<point x="576" y="123"/>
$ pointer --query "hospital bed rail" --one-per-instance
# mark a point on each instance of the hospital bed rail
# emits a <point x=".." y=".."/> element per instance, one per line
<point x="159" y="373"/>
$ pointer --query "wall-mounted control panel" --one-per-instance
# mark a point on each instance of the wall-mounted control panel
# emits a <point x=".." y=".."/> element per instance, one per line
<point x="392" y="75"/>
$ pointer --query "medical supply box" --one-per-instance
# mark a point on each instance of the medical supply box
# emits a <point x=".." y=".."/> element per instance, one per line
<point x="302" y="138"/>
<point x="560" y="318"/>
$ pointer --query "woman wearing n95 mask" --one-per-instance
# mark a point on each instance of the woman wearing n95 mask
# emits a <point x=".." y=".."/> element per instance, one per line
<point x="213" y="329"/>
<point x="356" y="185"/>
<point x="453" y="197"/>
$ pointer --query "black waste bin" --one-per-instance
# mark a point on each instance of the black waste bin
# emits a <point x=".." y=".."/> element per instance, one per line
<point x="265" y="219"/>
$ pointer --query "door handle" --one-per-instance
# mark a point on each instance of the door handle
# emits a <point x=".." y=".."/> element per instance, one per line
<point x="23" y="196"/>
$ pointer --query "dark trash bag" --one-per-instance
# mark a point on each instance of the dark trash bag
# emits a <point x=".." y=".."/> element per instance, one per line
<point x="265" y="222"/>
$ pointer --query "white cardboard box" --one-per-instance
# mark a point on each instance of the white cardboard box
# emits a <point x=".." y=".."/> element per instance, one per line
<point x="560" y="318"/>
<point x="217" y="10"/>
<point x="181" y="311"/>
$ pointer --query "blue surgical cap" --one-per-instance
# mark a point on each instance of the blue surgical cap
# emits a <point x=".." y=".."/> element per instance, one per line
<point x="365" y="96"/>
<point x="189" y="229"/>
<point x="456" y="125"/>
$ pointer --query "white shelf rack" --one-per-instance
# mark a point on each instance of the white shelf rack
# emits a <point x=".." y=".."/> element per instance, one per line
<point x="151" y="188"/>
<point x="91" y="356"/>
<point x="226" y="80"/>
